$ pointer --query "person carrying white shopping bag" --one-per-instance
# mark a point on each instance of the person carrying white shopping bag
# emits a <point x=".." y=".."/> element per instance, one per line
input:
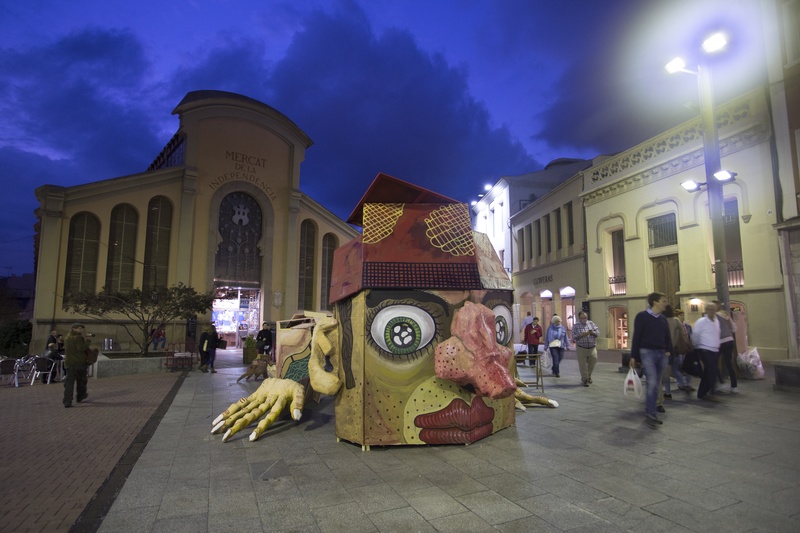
<point x="556" y="340"/>
<point x="651" y="346"/>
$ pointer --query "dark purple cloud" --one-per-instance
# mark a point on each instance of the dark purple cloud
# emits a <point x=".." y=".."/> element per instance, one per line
<point x="377" y="103"/>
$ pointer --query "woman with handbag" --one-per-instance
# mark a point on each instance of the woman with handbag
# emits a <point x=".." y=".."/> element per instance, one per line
<point x="556" y="341"/>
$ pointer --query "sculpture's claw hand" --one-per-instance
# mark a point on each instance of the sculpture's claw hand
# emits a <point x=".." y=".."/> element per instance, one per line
<point x="270" y="398"/>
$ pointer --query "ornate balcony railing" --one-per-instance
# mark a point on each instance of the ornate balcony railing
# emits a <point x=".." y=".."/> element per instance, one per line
<point x="735" y="273"/>
<point x="619" y="285"/>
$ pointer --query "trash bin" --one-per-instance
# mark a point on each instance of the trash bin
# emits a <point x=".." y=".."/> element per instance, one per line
<point x="626" y="357"/>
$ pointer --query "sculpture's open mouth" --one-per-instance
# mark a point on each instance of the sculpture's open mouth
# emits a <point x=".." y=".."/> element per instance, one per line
<point x="458" y="423"/>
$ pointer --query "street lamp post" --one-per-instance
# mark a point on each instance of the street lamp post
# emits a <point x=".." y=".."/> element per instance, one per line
<point x="713" y="165"/>
<point x="715" y="194"/>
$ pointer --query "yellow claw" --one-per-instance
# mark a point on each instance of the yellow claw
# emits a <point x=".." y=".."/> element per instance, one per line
<point x="273" y="395"/>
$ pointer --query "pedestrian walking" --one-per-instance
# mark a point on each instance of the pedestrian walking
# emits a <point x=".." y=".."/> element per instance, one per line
<point x="585" y="334"/>
<point x="727" y="347"/>
<point x="706" y="341"/>
<point x="557" y="341"/>
<point x="651" y="346"/>
<point x="75" y="347"/>
<point x="533" y="336"/>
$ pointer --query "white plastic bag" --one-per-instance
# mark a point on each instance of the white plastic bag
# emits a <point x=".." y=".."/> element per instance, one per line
<point x="547" y="360"/>
<point x="750" y="364"/>
<point x="633" y="385"/>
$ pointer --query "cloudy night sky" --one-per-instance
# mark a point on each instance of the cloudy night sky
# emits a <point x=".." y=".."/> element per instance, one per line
<point x="447" y="94"/>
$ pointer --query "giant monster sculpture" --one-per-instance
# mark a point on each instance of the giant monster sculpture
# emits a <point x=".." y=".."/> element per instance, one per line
<point x="418" y="350"/>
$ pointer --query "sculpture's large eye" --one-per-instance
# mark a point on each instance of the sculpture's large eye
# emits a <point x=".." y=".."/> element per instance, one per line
<point x="402" y="329"/>
<point x="502" y="324"/>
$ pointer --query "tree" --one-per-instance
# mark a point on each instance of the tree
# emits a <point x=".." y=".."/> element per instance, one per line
<point x="147" y="311"/>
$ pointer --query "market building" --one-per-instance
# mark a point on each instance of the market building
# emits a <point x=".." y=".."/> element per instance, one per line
<point x="219" y="208"/>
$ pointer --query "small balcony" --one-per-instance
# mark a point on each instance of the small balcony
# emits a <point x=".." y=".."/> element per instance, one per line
<point x="735" y="273"/>
<point x="619" y="285"/>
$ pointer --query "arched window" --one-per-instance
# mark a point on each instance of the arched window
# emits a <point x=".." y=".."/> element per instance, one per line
<point x="156" y="246"/>
<point x="83" y="250"/>
<point x="121" y="248"/>
<point x="305" y="282"/>
<point x="238" y="258"/>
<point x="329" y="244"/>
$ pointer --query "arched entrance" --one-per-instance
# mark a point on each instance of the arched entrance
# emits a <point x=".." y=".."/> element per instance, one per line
<point x="546" y="298"/>
<point x="567" y="295"/>
<point x="618" y="326"/>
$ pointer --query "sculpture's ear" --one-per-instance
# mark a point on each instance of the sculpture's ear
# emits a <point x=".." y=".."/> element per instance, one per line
<point x="325" y="349"/>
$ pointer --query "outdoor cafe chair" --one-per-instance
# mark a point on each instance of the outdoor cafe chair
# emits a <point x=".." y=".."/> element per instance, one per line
<point x="42" y="365"/>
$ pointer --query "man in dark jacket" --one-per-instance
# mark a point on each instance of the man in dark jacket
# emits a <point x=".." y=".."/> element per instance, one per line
<point x="75" y="347"/>
<point x="264" y="339"/>
<point x="652" y="345"/>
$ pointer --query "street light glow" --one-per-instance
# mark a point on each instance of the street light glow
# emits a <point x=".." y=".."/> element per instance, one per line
<point x="724" y="175"/>
<point x="715" y="43"/>
<point x="690" y="185"/>
<point x="676" y="65"/>
<point x="487" y="187"/>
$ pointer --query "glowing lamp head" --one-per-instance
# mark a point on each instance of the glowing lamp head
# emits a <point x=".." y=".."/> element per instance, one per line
<point x="715" y="43"/>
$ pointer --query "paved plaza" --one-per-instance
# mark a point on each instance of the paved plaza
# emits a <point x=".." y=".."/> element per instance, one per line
<point x="139" y="456"/>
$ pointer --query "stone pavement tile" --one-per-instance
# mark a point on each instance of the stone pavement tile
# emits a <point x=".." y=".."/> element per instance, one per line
<point x="405" y="480"/>
<point x="404" y="519"/>
<point x="630" y="518"/>
<point x="695" y="518"/>
<point x="433" y="503"/>
<point x="129" y="520"/>
<point x="326" y="494"/>
<point x="557" y="512"/>
<point x="182" y="524"/>
<point x="377" y="498"/>
<point x="511" y="487"/>
<point x="357" y="475"/>
<point x="241" y="503"/>
<point x="765" y="492"/>
<point x="140" y="492"/>
<point x="287" y="514"/>
<point x="570" y="490"/>
<point x="232" y="523"/>
<point x="492" y="508"/>
<point x="628" y="490"/>
<point x="526" y="525"/>
<point x="455" y="482"/>
<point x="343" y="517"/>
<point x="276" y="489"/>
<point x="754" y="518"/>
<point x="183" y="502"/>
<point x="459" y="523"/>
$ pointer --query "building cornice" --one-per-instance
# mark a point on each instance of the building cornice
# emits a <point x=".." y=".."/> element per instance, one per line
<point x="742" y="123"/>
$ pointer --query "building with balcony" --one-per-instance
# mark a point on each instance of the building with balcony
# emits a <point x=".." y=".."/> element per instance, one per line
<point x="645" y="233"/>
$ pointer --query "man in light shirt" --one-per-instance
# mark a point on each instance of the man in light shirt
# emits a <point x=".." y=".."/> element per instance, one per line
<point x="706" y="340"/>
